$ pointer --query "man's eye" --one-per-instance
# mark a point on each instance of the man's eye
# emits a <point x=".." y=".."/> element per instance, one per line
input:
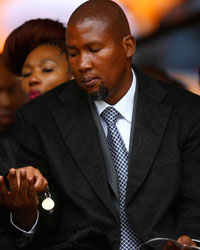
<point x="26" y="74"/>
<point x="47" y="70"/>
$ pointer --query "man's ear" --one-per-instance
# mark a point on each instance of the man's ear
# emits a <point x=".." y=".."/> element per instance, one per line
<point x="129" y="45"/>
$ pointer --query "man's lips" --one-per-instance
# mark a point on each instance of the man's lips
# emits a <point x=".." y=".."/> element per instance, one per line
<point x="34" y="93"/>
<point x="90" y="81"/>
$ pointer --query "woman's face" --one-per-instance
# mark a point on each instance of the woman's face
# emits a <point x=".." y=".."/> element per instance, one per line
<point x="44" y="68"/>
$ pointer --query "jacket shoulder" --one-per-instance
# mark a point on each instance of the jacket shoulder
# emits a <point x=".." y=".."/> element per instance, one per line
<point x="48" y="101"/>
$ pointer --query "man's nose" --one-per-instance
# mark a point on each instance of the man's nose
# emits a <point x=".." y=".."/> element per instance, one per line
<point x="85" y="62"/>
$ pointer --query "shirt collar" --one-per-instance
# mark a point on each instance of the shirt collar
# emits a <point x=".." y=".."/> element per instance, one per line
<point x="125" y="105"/>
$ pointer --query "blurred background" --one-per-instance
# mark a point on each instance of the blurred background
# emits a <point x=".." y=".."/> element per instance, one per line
<point x="167" y="32"/>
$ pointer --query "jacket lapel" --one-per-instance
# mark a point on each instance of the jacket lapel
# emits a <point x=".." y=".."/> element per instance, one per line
<point x="150" y="120"/>
<point x="75" y="122"/>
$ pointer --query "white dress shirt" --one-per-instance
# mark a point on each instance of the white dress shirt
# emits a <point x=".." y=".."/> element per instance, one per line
<point x="125" y="108"/>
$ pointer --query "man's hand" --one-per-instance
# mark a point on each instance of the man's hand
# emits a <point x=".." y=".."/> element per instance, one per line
<point x="40" y="182"/>
<point x="20" y="199"/>
<point x="183" y="243"/>
<point x="186" y="241"/>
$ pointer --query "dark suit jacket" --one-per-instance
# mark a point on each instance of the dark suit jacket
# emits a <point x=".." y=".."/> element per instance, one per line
<point x="5" y="241"/>
<point x="8" y="150"/>
<point x="57" y="134"/>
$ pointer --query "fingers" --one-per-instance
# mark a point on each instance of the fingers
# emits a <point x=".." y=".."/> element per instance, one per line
<point x="186" y="241"/>
<point x="31" y="192"/>
<point x="23" y="185"/>
<point x="40" y="181"/>
<point x="13" y="185"/>
<point x="23" y="190"/>
<point x="40" y="184"/>
<point x="4" y="194"/>
<point x="18" y="173"/>
<point x="21" y="200"/>
<point x="26" y="189"/>
<point x="25" y="209"/>
<point x="3" y="188"/>
<point x="172" y="246"/>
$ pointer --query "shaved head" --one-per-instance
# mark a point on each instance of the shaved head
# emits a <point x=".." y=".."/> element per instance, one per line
<point x="106" y="11"/>
<point x="100" y="49"/>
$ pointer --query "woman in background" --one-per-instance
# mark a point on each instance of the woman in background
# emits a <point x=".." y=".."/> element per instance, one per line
<point x="36" y="52"/>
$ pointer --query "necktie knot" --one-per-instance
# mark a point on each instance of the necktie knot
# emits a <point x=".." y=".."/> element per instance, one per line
<point x="110" y="115"/>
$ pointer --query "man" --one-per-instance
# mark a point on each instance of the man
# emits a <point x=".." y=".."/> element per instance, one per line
<point x="64" y="132"/>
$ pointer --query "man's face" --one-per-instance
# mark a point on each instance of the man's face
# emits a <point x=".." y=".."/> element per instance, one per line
<point x="98" y="59"/>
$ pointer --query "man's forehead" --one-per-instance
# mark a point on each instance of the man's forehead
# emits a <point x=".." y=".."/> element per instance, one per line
<point x="90" y="31"/>
<point x="89" y="21"/>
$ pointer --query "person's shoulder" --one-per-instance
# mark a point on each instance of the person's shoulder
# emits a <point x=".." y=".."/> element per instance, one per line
<point x="49" y="100"/>
<point x="53" y="93"/>
<point x="7" y="137"/>
<point x="181" y="99"/>
<point x="184" y="103"/>
<point x="8" y="150"/>
<point x="178" y="94"/>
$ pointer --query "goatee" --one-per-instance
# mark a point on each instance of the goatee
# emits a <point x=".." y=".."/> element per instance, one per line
<point x="99" y="95"/>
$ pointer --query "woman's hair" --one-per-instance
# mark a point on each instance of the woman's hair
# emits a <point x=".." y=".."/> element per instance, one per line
<point x="28" y="36"/>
